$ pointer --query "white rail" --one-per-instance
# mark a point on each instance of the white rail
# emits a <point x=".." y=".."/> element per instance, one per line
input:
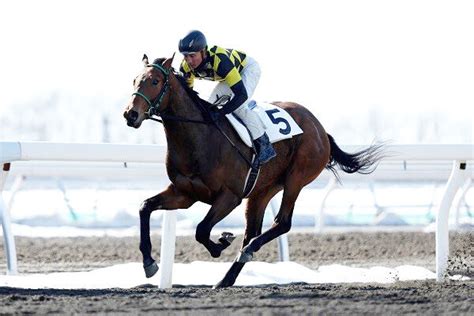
<point x="127" y="155"/>
<point x="461" y="156"/>
<point x="112" y="161"/>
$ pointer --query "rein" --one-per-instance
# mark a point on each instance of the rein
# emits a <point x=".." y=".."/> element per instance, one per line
<point x="185" y="120"/>
<point x="177" y="119"/>
<point x="153" y="109"/>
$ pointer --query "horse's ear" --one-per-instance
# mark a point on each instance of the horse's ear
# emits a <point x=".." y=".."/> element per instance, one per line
<point x="168" y="62"/>
<point x="145" y="59"/>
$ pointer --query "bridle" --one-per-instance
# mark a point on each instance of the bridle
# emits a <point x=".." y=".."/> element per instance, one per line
<point x="154" y="106"/>
<point x="153" y="109"/>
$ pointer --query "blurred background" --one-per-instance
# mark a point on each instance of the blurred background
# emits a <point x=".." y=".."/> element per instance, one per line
<point x="392" y="70"/>
<point x="398" y="71"/>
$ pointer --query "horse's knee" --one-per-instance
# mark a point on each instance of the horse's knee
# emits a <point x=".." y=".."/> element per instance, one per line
<point x="148" y="206"/>
<point x="151" y="204"/>
<point x="145" y="208"/>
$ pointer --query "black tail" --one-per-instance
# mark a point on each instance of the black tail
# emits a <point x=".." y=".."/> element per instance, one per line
<point x="364" y="161"/>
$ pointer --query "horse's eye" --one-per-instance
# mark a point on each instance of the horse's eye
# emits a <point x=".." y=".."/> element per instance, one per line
<point x="155" y="82"/>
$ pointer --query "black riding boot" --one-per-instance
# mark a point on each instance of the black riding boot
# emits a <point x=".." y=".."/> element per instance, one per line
<point x="265" y="150"/>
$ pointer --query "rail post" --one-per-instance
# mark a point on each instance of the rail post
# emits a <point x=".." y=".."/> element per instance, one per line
<point x="456" y="179"/>
<point x="10" y="250"/>
<point x="168" y="242"/>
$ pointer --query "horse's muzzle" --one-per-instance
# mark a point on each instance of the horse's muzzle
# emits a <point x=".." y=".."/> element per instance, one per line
<point x="131" y="117"/>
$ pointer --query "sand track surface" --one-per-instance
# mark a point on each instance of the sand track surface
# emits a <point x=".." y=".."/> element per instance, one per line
<point x="40" y="255"/>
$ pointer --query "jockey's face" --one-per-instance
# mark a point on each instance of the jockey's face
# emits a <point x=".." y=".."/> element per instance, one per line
<point x="194" y="59"/>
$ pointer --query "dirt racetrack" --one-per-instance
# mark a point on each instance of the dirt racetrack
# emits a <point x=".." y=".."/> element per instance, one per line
<point x="355" y="249"/>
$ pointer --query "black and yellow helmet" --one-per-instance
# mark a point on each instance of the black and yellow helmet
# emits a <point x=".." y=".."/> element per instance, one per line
<point x="193" y="42"/>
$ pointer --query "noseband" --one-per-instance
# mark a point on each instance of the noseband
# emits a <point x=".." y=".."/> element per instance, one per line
<point x="154" y="106"/>
<point x="153" y="109"/>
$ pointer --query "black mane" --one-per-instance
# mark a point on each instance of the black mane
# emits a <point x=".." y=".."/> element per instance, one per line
<point x="194" y="95"/>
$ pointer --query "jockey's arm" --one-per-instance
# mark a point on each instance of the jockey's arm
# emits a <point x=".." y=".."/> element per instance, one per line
<point x="240" y="96"/>
<point x="232" y="78"/>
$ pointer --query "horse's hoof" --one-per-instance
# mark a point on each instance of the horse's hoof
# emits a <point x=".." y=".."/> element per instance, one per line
<point x="226" y="239"/>
<point x="150" y="270"/>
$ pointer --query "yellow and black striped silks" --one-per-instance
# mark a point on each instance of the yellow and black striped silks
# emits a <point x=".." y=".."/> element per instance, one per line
<point x="220" y="65"/>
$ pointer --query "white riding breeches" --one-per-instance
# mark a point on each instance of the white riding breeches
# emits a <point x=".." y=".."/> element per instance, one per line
<point x="250" y="77"/>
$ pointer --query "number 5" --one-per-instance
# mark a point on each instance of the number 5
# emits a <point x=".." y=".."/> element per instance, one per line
<point x="277" y="120"/>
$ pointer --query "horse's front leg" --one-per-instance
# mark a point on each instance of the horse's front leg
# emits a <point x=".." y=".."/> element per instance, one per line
<point x="169" y="199"/>
<point x="222" y="206"/>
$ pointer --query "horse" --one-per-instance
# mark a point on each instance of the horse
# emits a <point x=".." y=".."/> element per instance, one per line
<point x="203" y="165"/>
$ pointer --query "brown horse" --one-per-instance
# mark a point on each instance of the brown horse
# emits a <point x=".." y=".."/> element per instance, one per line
<point x="203" y="165"/>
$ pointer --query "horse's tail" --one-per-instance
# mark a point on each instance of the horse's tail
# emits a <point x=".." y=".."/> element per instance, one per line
<point x="364" y="161"/>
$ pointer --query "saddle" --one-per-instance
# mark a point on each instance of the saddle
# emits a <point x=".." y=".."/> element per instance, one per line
<point x="279" y="124"/>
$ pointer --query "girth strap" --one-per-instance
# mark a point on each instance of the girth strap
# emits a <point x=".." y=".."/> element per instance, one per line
<point x="252" y="176"/>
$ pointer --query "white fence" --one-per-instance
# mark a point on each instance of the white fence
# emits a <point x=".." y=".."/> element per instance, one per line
<point x="115" y="160"/>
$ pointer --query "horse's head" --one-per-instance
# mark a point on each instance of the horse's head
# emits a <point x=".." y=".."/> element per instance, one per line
<point x="151" y="88"/>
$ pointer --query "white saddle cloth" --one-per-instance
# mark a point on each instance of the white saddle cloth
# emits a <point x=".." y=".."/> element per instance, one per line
<point x="278" y="123"/>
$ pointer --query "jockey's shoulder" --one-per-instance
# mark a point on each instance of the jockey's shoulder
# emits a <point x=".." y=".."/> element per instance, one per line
<point x="217" y="50"/>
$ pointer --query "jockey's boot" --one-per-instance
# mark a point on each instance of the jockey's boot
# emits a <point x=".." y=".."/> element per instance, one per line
<point x="265" y="150"/>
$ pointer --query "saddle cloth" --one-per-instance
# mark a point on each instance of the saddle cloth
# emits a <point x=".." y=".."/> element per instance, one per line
<point x="278" y="123"/>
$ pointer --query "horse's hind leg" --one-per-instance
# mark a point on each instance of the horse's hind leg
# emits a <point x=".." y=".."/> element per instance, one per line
<point x="169" y="199"/>
<point x="255" y="212"/>
<point x="281" y="225"/>
<point x="222" y="206"/>
<point x="254" y="218"/>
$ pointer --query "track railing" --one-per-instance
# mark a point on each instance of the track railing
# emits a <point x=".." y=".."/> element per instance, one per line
<point x="434" y="161"/>
<point x="461" y="156"/>
<point x="126" y="157"/>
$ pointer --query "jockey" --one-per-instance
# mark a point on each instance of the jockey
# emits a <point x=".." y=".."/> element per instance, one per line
<point x="238" y="76"/>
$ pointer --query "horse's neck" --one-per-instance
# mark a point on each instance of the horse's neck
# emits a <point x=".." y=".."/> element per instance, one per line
<point x="186" y="137"/>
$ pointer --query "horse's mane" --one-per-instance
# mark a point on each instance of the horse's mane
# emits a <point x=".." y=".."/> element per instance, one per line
<point x="194" y="95"/>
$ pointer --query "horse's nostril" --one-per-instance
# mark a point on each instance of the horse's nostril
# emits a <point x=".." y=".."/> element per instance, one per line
<point x="133" y="115"/>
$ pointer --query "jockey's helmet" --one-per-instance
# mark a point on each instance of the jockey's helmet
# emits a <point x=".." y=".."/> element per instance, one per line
<point x="193" y="42"/>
